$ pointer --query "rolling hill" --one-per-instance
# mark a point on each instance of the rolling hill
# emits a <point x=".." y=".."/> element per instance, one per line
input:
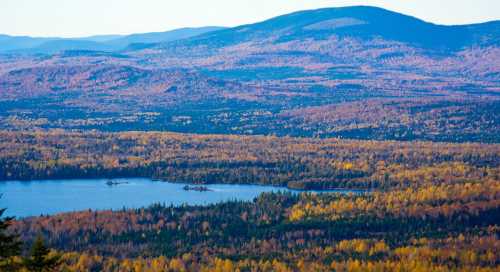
<point x="361" y="22"/>
<point x="355" y="72"/>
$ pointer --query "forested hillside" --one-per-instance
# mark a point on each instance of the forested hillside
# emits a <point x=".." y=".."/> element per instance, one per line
<point x="354" y="72"/>
<point x="402" y="113"/>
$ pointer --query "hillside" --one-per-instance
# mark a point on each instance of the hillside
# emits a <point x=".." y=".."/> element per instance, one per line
<point x="360" y="22"/>
<point x="356" y="72"/>
<point x="337" y="139"/>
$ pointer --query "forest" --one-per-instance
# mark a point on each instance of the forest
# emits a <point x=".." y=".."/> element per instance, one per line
<point x="299" y="163"/>
<point x="399" y="111"/>
<point x="285" y="232"/>
<point x="424" y="205"/>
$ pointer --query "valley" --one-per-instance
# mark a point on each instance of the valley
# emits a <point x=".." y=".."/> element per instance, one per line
<point x="334" y="139"/>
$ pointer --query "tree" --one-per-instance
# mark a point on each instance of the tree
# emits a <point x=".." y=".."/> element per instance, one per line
<point x="40" y="259"/>
<point x="10" y="246"/>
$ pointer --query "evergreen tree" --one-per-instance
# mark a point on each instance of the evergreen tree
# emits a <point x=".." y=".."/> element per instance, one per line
<point x="39" y="260"/>
<point x="9" y="245"/>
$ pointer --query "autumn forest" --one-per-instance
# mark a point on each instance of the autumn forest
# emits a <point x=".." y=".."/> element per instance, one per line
<point x="381" y="130"/>
<point x="424" y="203"/>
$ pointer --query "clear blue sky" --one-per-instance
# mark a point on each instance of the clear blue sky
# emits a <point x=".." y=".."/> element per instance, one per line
<point x="76" y="18"/>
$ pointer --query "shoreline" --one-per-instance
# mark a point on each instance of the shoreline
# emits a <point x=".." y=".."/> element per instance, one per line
<point x="106" y="179"/>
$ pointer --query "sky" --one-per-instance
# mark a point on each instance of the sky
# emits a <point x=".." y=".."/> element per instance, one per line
<point x="78" y="18"/>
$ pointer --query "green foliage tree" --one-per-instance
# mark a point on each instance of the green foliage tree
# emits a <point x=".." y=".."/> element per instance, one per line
<point x="10" y="246"/>
<point x="40" y="259"/>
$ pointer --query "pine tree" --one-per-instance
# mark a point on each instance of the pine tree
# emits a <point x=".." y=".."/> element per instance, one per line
<point x="10" y="246"/>
<point x="40" y="260"/>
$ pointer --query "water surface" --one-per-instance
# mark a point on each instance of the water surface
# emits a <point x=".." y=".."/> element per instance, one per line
<point x="45" y="197"/>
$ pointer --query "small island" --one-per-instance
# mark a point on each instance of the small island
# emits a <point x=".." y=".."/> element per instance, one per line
<point x="196" y="188"/>
<point x="114" y="183"/>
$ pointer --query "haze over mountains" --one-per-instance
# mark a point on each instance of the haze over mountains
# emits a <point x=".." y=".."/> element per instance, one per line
<point x="24" y="44"/>
<point x="355" y="72"/>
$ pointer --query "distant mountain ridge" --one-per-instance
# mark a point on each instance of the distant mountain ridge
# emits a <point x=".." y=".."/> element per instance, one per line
<point x="26" y="44"/>
<point x="363" y="22"/>
<point x="156" y="37"/>
<point x="355" y="72"/>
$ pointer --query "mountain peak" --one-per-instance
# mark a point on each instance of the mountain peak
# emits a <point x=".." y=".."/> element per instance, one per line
<point x="361" y="22"/>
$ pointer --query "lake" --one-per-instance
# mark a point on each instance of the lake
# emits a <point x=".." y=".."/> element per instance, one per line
<point x="33" y="198"/>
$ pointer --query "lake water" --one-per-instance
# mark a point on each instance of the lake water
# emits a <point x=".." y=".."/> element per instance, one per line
<point x="33" y="198"/>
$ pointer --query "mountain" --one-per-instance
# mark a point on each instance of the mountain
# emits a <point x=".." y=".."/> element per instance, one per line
<point x="353" y="43"/>
<point x="361" y="22"/>
<point x="355" y="72"/>
<point x="157" y="37"/>
<point x="10" y="43"/>
<point x="55" y="46"/>
<point x="24" y="44"/>
<point x="100" y="38"/>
